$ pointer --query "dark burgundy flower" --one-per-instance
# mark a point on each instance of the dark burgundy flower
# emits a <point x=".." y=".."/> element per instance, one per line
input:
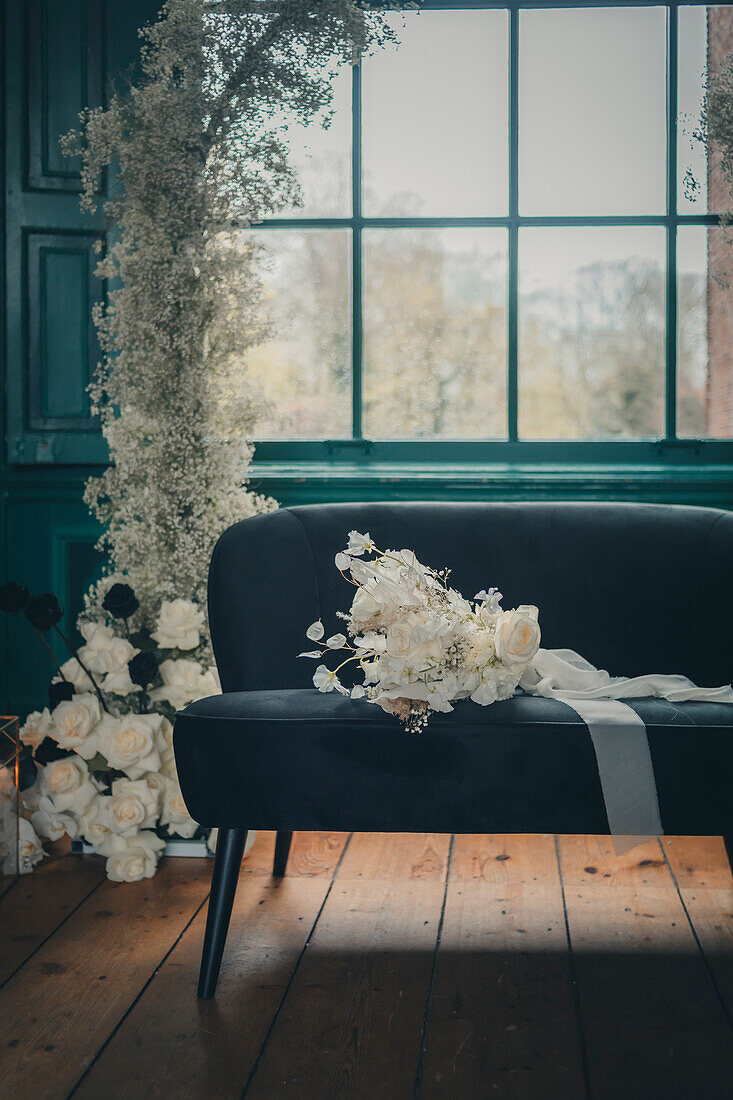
<point x="143" y="669"/>
<point x="60" y="692"/>
<point x="44" y="611"/>
<point x="120" y="601"/>
<point x="13" y="597"/>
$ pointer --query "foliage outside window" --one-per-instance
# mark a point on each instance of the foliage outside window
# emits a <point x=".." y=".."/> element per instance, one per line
<point x="497" y="243"/>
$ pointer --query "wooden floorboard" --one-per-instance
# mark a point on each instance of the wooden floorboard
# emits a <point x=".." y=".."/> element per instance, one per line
<point x="352" y="1023"/>
<point x="653" y="1025"/>
<point x="182" y="1047"/>
<point x="503" y="1018"/>
<point x="411" y="967"/>
<point x="703" y="875"/>
<point x="40" y="902"/>
<point x="61" y="1007"/>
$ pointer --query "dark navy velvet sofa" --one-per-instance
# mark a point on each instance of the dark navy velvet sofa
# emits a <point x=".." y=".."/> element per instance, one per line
<point x="635" y="588"/>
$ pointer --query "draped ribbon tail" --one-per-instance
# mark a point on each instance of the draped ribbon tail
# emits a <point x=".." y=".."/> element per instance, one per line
<point x="618" y="734"/>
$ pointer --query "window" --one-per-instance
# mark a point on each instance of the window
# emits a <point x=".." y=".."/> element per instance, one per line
<point x="502" y="253"/>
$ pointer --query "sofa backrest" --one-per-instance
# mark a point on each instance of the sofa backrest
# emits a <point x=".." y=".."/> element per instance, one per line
<point x="635" y="588"/>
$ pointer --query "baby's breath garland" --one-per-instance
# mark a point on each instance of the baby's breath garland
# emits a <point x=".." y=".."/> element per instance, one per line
<point x="192" y="154"/>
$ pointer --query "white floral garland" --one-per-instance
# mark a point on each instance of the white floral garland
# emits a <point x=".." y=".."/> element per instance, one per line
<point x="115" y="783"/>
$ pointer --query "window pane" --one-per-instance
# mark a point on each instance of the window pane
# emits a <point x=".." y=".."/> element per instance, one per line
<point x="322" y="158"/>
<point x="592" y="125"/>
<point x="705" y="332"/>
<point x="304" y="369"/>
<point x="435" y="333"/>
<point x="591" y="333"/>
<point x="435" y="117"/>
<point x="705" y="41"/>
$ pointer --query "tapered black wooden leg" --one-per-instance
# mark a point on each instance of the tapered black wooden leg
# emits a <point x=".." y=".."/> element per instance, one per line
<point x="282" y="849"/>
<point x="728" y="841"/>
<point x="229" y="851"/>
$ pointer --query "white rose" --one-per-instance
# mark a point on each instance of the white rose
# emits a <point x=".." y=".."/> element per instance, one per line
<point x="178" y="625"/>
<point x="76" y="676"/>
<point x="400" y="642"/>
<point x="68" y="784"/>
<point x="92" y="825"/>
<point x="364" y="607"/>
<point x="75" y="722"/>
<point x="517" y="637"/>
<point x="98" y="638"/>
<point x="30" y="850"/>
<point x="134" y="858"/>
<point x="128" y="743"/>
<point x="174" y="813"/>
<point x="185" y="681"/>
<point x="36" y="727"/>
<point x="133" y="806"/>
<point x="50" y="823"/>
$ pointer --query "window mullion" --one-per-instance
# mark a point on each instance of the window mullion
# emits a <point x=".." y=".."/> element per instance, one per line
<point x="513" y="229"/>
<point x="670" y="402"/>
<point x="357" y="427"/>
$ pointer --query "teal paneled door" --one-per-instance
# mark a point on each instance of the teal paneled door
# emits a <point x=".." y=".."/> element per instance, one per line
<point x="58" y="57"/>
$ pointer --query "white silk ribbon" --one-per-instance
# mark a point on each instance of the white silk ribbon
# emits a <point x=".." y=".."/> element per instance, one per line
<point x="618" y="733"/>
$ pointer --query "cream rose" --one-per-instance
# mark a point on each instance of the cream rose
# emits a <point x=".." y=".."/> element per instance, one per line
<point x="98" y="638"/>
<point x="93" y="828"/>
<point x="174" y="813"/>
<point x="75" y="723"/>
<point x="36" y="727"/>
<point x="184" y="681"/>
<point x="75" y="674"/>
<point x="50" y="823"/>
<point x="68" y="784"/>
<point x="134" y="858"/>
<point x="178" y="625"/>
<point x="128" y="743"/>
<point x="133" y="806"/>
<point x="517" y="636"/>
<point x="400" y="643"/>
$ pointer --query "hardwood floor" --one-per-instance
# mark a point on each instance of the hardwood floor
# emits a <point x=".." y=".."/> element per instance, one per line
<point x="382" y="966"/>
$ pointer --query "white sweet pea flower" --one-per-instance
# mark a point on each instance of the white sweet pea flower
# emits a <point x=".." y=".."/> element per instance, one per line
<point x="132" y="806"/>
<point x="50" y="823"/>
<point x="359" y="544"/>
<point x="68" y="784"/>
<point x="490" y="600"/>
<point x="99" y="638"/>
<point x="36" y="727"/>
<point x="325" y="680"/>
<point x="128" y="743"/>
<point x="336" y="641"/>
<point x="517" y="637"/>
<point x="179" y="625"/>
<point x="76" y="676"/>
<point x="134" y="858"/>
<point x="486" y="692"/>
<point x="174" y="813"/>
<point x="315" y="631"/>
<point x="75" y="723"/>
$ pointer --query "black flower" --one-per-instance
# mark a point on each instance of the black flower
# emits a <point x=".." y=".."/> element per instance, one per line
<point x="143" y="669"/>
<point x="13" y="597"/>
<point x="121" y="602"/>
<point x="44" y="611"/>
<point x="60" y="692"/>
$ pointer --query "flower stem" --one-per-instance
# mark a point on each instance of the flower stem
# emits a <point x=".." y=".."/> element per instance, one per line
<point x="41" y="638"/>
<point x="84" y="668"/>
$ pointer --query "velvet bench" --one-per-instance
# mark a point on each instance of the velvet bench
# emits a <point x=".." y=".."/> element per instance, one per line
<point x="635" y="588"/>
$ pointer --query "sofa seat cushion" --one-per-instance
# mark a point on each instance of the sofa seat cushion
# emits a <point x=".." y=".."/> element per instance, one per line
<point x="300" y="759"/>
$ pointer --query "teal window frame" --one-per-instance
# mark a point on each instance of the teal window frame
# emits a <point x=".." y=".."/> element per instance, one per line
<point x="668" y="450"/>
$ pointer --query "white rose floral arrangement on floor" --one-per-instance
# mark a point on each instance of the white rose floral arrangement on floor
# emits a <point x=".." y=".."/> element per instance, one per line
<point x="420" y="644"/>
<point x="102" y="749"/>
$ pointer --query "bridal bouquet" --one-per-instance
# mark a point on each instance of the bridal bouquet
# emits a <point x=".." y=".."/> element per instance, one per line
<point x="420" y="644"/>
